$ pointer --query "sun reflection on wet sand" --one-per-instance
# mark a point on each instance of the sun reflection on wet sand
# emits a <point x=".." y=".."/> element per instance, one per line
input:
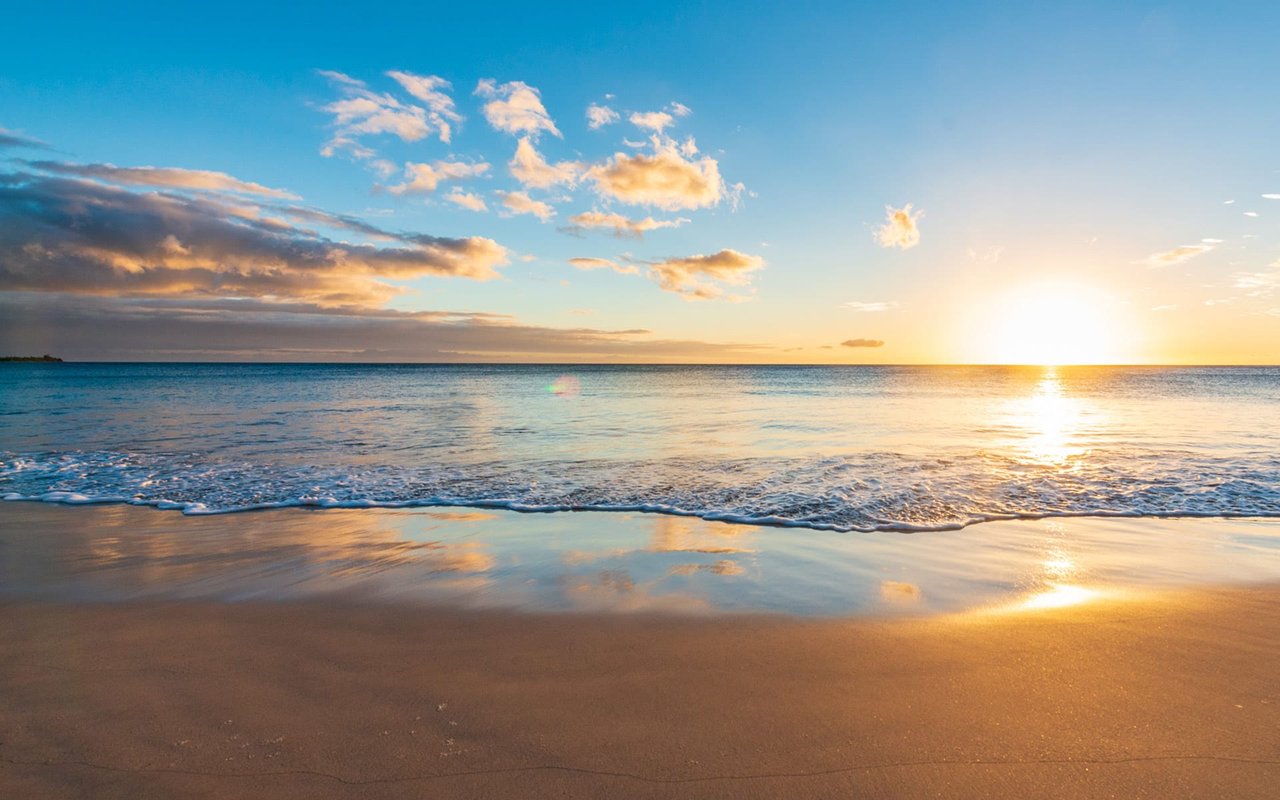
<point x="623" y="562"/>
<point x="1060" y="595"/>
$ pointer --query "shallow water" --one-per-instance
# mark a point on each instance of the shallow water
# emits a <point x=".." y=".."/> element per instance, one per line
<point x="844" y="448"/>
<point x="620" y="562"/>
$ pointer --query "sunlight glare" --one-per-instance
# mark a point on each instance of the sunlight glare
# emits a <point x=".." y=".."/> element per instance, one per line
<point x="1050" y="324"/>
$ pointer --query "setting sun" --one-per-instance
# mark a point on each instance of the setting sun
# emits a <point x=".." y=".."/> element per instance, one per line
<point x="1050" y="323"/>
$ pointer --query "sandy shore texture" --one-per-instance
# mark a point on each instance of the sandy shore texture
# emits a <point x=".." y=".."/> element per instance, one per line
<point x="1173" y="695"/>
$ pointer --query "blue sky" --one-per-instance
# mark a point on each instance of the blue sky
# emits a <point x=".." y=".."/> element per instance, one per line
<point x="1050" y="150"/>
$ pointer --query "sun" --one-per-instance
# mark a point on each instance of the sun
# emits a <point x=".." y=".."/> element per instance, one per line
<point x="1050" y="323"/>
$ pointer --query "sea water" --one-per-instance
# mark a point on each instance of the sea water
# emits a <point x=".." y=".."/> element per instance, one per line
<point x="855" y="448"/>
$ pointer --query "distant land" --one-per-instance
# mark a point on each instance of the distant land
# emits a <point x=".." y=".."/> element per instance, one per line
<point x="44" y="358"/>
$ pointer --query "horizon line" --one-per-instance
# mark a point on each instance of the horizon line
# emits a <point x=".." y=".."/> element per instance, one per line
<point x="640" y="363"/>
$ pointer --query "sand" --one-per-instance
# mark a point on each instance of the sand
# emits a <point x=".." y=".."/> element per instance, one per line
<point x="1173" y="695"/>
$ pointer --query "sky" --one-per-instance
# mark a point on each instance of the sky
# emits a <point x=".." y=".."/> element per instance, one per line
<point x="693" y="182"/>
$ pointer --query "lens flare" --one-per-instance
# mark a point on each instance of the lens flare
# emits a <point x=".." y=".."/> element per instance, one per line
<point x="565" y="386"/>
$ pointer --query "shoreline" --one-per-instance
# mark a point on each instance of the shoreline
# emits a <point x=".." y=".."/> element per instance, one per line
<point x="76" y="500"/>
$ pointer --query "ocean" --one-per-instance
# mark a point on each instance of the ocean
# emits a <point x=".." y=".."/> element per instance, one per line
<point x="857" y="448"/>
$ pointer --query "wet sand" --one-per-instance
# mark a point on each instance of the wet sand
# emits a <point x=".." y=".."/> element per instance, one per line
<point x="1170" y="696"/>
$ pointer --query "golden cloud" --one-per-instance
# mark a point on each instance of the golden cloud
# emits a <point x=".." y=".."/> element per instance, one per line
<point x="900" y="228"/>
<point x="531" y="169"/>
<point x="1177" y="255"/>
<point x="424" y="178"/>
<point x="666" y="179"/>
<point x="521" y="203"/>
<point x="82" y="237"/>
<point x="698" y="277"/>
<point x="622" y="226"/>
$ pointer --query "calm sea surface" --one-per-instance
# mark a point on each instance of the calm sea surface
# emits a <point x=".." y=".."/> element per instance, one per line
<point x="845" y="448"/>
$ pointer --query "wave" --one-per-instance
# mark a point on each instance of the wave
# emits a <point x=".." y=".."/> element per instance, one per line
<point x="863" y="493"/>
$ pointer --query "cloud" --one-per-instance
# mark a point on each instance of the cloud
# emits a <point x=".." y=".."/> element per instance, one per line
<point x="666" y="179"/>
<point x="521" y="203"/>
<point x="166" y="177"/>
<point x="361" y="112"/>
<point x="210" y="329"/>
<point x="430" y="90"/>
<point x="874" y="307"/>
<point x="900" y="228"/>
<point x="1169" y="307"/>
<point x="1177" y="255"/>
<point x="990" y="255"/>
<point x="659" y="121"/>
<point x="656" y="121"/>
<point x="1258" y="284"/>
<point x="699" y="277"/>
<point x="604" y="263"/>
<point x="1271" y="197"/>
<point x="15" y="140"/>
<point x="862" y="343"/>
<point x="531" y="169"/>
<point x="1251" y="213"/>
<point x="598" y="116"/>
<point x="424" y="178"/>
<point x="515" y="108"/>
<point x="622" y="226"/>
<point x="80" y="237"/>
<point x="471" y="202"/>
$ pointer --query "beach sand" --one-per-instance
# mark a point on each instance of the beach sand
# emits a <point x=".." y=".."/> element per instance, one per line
<point x="1173" y="695"/>
<point x="1162" y="693"/>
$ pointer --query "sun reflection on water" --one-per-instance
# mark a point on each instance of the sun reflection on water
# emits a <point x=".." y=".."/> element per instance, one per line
<point x="1051" y="421"/>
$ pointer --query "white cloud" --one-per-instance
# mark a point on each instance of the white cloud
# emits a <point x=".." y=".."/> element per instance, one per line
<point x="598" y="116"/>
<point x="531" y="169"/>
<point x="362" y="112"/>
<point x="659" y="121"/>
<point x="872" y="307"/>
<point x="471" y="202"/>
<point x="603" y="263"/>
<point x="990" y="255"/>
<point x="1169" y="307"/>
<point x="623" y="226"/>
<point x="430" y="90"/>
<point x="1251" y="213"/>
<point x="1271" y="197"/>
<point x="515" y="108"/>
<point x="424" y="178"/>
<point x="900" y="228"/>
<point x="521" y="203"/>
<point x="1259" y="284"/>
<point x="1177" y="255"/>
<point x="656" y="121"/>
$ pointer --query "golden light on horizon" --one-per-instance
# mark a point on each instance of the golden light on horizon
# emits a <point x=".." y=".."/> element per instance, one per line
<point x="1050" y="323"/>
